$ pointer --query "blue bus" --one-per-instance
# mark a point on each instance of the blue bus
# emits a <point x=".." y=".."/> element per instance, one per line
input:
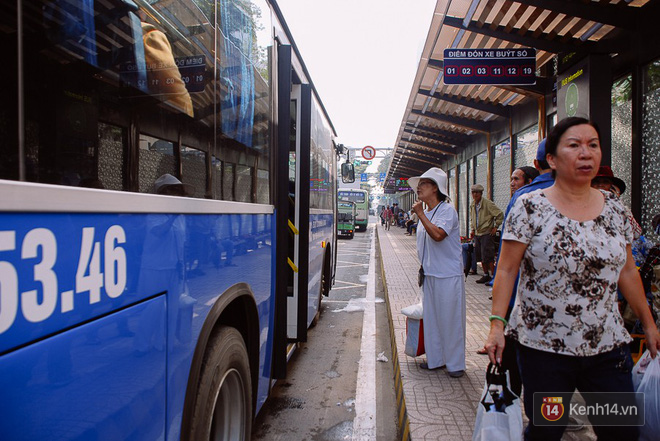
<point x="167" y="224"/>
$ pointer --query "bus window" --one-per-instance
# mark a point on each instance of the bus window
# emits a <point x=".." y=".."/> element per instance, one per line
<point x="117" y="69"/>
<point x="243" y="183"/>
<point x="112" y="145"/>
<point x="157" y="157"/>
<point x="216" y="177"/>
<point x="262" y="186"/>
<point x="193" y="164"/>
<point x="228" y="181"/>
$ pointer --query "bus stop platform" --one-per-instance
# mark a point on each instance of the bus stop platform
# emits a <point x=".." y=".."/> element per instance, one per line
<point x="431" y="404"/>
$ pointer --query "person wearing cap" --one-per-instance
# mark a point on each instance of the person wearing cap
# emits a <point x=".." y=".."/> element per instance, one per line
<point x="485" y="219"/>
<point x="439" y="251"/>
<point x="605" y="180"/>
<point x="522" y="176"/>
<point x="572" y="246"/>
<point x="544" y="179"/>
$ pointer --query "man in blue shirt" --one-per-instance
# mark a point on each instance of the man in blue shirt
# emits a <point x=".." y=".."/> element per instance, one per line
<point x="543" y="180"/>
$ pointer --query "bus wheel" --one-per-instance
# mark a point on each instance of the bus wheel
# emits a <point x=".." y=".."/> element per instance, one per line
<point x="317" y="316"/>
<point x="223" y="406"/>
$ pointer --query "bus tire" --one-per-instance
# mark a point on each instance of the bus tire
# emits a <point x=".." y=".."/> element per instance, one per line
<point x="317" y="316"/>
<point x="325" y="273"/>
<point x="223" y="405"/>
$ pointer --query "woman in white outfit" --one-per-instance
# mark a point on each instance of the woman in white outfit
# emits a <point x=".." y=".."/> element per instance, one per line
<point x="439" y="251"/>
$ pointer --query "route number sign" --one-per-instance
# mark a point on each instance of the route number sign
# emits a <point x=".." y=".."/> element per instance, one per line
<point x="490" y="66"/>
<point x="368" y="153"/>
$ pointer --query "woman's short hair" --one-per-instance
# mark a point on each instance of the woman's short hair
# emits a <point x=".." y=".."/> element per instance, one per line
<point x="562" y="126"/>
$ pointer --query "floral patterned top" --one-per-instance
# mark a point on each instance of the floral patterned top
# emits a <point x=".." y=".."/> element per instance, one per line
<point x="566" y="301"/>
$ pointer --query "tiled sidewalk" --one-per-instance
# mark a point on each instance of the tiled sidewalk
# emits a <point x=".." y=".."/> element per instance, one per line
<point x="438" y="407"/>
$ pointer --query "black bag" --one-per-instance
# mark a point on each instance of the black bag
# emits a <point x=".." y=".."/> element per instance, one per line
<point x="420" y="276"/>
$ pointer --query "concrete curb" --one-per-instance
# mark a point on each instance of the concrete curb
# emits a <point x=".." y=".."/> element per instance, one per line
<point x="402" y="412"/>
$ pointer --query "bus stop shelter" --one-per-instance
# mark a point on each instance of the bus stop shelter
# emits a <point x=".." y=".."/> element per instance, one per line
<point x="595" y="59"/>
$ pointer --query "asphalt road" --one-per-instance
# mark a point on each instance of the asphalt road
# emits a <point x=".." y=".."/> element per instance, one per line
<point x="320" y="400"/>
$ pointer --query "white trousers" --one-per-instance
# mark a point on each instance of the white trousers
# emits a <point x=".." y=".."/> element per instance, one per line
<point x="444" y="322"/>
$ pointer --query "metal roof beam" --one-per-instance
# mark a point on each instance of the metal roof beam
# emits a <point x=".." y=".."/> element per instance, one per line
<point x="416" y="165"/>
<point x="436" y="64"/>
<point x="495" y="109"/>
<point x="431" y="146"/>
<point x="606" y="46"/>
<point x="411" y="150"/>
<point x="451" y="137"/>
<point x="463" y="122"/>
<point x="429" y="136"/>
<point x="412" y="171"/>
<point x="620" y="16"/>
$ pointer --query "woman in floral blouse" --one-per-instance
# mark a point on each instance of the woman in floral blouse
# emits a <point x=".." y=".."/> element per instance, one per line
<point x="572" y="246"/>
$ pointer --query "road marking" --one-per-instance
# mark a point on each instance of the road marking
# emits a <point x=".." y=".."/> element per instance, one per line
<point x="364" y="424"/>
<point x="346" y="287"/>
<point x="350" y="285"/>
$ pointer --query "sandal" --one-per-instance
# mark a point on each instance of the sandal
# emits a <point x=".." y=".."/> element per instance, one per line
<point x="426" y="366"/>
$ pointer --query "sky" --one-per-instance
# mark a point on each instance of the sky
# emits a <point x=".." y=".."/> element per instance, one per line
<point x="362" y="56"/>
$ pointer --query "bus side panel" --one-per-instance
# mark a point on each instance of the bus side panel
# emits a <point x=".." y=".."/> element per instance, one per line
<point x="54" y="272"/>
<point x="71" y="387"/>
<point x="320" y="232"/>
<point x="220" y="252"/>
<point x="58" y="272"/>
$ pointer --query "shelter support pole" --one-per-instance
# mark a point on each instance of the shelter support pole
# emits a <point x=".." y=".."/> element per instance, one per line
<point x="489" y="170"/>
<point x="543" y="129"/>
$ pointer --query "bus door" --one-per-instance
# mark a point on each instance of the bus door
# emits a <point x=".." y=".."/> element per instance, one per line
<point x="292" y="211"/>
<point x="298" y="182"/>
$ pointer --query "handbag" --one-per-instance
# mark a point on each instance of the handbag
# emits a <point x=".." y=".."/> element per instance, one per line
<point x="499" y="415"/>
<point x="420" y="276"/>
<point x="414" y="337"/>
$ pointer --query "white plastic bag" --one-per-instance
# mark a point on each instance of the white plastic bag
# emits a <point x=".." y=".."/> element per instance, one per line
<point x="415" y="311"/>
<point x="640" y="368"/>
<point x="499" y="415"/>
<point x="650" y="386"/>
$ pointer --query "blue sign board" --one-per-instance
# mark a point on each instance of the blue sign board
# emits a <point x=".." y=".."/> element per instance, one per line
<point x="363" y="177"/>
<point x="490" y="66"/>
<point x="381" y="177"/>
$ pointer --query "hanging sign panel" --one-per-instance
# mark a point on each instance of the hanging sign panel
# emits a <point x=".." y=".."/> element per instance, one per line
<point x="490" y="66"/>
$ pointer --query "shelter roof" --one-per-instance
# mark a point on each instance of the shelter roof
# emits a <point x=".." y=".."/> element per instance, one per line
<point x="440" y="120"/>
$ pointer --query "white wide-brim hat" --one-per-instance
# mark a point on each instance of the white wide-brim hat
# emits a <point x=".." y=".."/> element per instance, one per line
<point x="435" y="174"/>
